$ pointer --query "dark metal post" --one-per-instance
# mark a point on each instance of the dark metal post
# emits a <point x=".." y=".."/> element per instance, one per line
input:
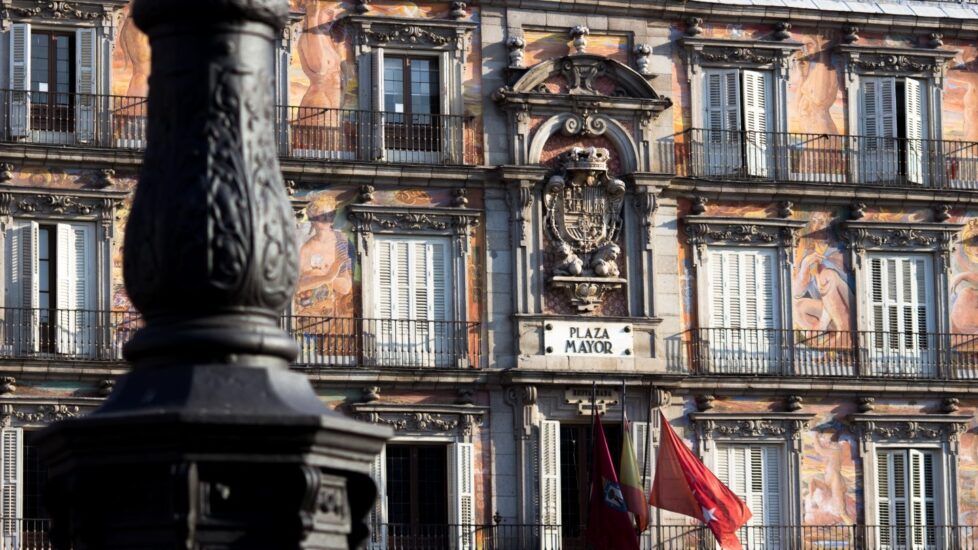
<point x="210" y="441"/>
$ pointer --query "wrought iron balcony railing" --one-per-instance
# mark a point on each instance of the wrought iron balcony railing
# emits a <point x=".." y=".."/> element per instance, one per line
<point x="827" y="159"/>
<point x="339" y="341"/>
<point x="110" y="121"/>
<point x="94" y="335"/>
<point x="820" y="353"/>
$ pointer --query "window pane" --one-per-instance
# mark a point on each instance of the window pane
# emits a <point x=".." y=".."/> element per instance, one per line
<point x="424" y="87"/>
<point x="39" y="61"/>
<point x="394" y="85"/>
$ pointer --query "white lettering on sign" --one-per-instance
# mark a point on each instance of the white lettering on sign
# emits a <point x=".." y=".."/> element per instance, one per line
<point x="582" y="338"/>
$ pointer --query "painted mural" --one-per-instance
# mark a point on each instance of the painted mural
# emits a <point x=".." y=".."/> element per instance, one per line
<point x="545" y="45"/>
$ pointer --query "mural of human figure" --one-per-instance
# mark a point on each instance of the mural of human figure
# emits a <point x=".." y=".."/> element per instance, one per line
<point x="325" y="286"/>
<point x="964" y="303"/>
<point x="823" y="295"/>
<point x="827" y="501"/>
<point x="817" y="88"/>
<point x="320" y="56"/>
<point x="135" y="48"/>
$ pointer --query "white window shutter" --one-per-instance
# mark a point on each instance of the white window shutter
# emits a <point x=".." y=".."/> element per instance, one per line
<point x="20" y="79"/>
<point x="915" y="130"/>
<point x="12" y="485"/>
<point x="744" y="311"/>
<point x="27" y="332"/>
<point x="462" y="499"/>
<point x="643" y="454"/>
<point x="721" y="96"/>
<point x="378" y="514"/>
<point x="65" y="313"/>
<point x="878" y="115"/>
<point x="757" y="103"/>
<point x="549" y="467"/>
<point x="901" y="295"/>
<point x="85" y="48"/>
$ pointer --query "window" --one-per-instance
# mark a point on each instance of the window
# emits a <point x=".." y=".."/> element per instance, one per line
<point x="426" y="497"/>
<point x="52" y="79"/>
<point x="906" y="499"/>
<point x="901" y="322"/>
<point x="11" y="486"/>
<point x="411" y="105"/>
<point x="50" y="277"/>
<point x="893" y="115"/>
<point x="413" y="317"/>
<point x="744" y="316"/>
<point x="753" y="472"/>
<point x="737" y="126"/>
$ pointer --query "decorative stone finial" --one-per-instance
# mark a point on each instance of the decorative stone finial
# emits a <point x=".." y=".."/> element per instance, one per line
<point x="866" y="404"/>
<point x="935" y="40"/>
<point x="458" y="10"/>
<point x="370" y="394"/>
<point x="517" y="49"/>
<point x="781" y="30"/>
<point x="950" y="405"/>
<point x="6" y="172"/>
<point x="699" y="205"/>
<point x="942" y="212"/>
<point x="104" y="178"/>
<point x="693" y="26"/>
<point x="857" y="210"/>
<point x="366" y="194"/>
<point x="642" y="62"/>
<point x="850" y="34"/>
<point x="705" y="402"/>
<point x="580" y="33"/>
<point x="785" y="209"/>
<point x="460" y="200"/>
<point x="793" y="403"/>
<point x="362" y="6"/>
<point x="8" y="385"/>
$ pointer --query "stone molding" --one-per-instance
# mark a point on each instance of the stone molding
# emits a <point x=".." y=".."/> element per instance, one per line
<point x="722" y="52"/>
<point x="460" y="222"/>
<point x="909" y="428"/>
<point x="430" y="34"/>
<point x="939" y="238"/>
<point x="86" y="12"/>
<point x="15" y="414"/>
<point x="874" y="60"/>
<point x="787" y="427"/>
<point x="62" y="204"/>
<point x="455" y="420"/>
<point x="702" y="231"/>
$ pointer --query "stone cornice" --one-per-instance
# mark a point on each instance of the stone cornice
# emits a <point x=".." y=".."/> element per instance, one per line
<point x="71" y="12"/>
<point x="909" y="428"/>
<point x="939" y="238"/>
<point x="753" y="53"/>
<point x="436" y="34"/>
<point x="669" y="11"/>
<point x="456" y="420"/>
<point x="396" y="219"/>
<point x="818" y="194"/>
<point x="873" y="60"/>
<point x="703" y="231"/>
<point x="738" y="426"/>
<point x="74" y="204"/>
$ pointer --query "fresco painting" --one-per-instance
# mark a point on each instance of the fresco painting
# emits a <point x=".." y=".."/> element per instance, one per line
<point x="130" y="60"/>
<point x="323" y="72"/>
<point x="964" y="282"/>
<point x="828" y="477"/>
<point x="821" y="289"/>
<point x="816" y="93"/>
<point x="546" y="45"/>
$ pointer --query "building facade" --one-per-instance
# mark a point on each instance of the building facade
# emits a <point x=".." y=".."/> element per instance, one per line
<point x="758" y="218"/>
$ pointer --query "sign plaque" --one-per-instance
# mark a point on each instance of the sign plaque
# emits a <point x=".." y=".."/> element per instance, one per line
<point x="588" y="338"/>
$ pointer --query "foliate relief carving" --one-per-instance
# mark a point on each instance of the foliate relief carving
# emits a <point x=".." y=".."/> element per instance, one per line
<point x="646" y="205"/>
<point x="939" y="237"/>
<point x="581" y="74"/>
<point x="898" y="63"/>
<point x="884" y="430"/>
<point x="710" y="427"/>
<point x="583" y="216"/>
<point x="701" y="232"/>
<point x="428" y="422"/>
<point x="45" y="414"/>
<point x="408" y="34"/>
<point x="736" y="55"/>
<point x="44" y="204"/>
<point x="384" y="219"/>
<point x="56" y="10"/>
<point x="524" y="210"/>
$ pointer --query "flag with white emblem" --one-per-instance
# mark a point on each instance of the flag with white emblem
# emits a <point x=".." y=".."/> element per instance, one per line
<point x="683" y="484"/>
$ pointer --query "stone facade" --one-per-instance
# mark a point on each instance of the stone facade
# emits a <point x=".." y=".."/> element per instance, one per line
<point x="760" y="221"/>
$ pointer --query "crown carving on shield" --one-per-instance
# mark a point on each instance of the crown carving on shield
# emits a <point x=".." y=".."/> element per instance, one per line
<point x="583" y="215"/>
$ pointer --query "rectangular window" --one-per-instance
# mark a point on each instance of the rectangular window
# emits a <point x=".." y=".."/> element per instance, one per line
<point x="894" y="145"/>
<point x="413" y="310"/>
<point x="902" y="338"/>
<point x="744" y="319"/>
<point x="52" y="80"/>
<point x="906" y="498"/>
<point x="417" y="496"/>
<point x="753" y="472"/>
<point x="737" y="105"/>
<point x="412" y="103"/>
<point x="50" y="278"/>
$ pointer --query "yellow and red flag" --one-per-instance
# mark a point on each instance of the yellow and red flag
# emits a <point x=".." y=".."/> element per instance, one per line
<point x="631" y="481"/>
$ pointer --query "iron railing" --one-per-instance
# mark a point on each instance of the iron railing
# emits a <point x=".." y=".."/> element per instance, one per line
<point x="25" y="534"/>
<point x="344" y="134"/>
<point x="402" y="536"/>
<point x="345" y="341"/>
<point x="824" y="353"/>
<point x="77" y="334"/>
<point x="826" y="158"/>
<point x="111" y="121"/>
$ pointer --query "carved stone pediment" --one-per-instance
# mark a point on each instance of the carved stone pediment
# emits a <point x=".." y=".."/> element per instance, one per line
<point x="872" y="60"/>
<point x="632" y="91"/>
<point x="457" y="420"/>
<point x="39" y="413"/>
<point x="396" y="219"/>
<point x="723" y="52"/>
<point x="58" y="204"/>
<point x="712" y="427"/>
<point x="430" y="34"/>
<point x="702" y="231"/>
<point x="55" y="11"/>
<point x="906" y="237"/>
<point x="909" y="428"/>
<point x="583" y="216"/>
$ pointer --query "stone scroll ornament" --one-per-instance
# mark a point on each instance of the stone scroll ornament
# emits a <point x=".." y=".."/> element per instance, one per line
<point x="583" y="215"/>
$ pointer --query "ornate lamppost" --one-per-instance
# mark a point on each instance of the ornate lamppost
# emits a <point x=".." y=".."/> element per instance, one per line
<point x="211" y="442"/>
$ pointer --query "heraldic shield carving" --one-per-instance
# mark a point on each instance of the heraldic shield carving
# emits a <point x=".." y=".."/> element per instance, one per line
<point x="584" y="217"/>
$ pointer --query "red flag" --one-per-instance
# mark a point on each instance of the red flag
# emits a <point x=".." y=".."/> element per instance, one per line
<point x="684" y="485"/>
<point x="608" y="524"/>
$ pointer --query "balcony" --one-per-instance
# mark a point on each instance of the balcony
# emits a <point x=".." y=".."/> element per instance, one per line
<point x="349" y="342"/>
<point x="746" y="156"/>
<point x="93" y="335"/>
<point x="26" y="534"/>
<point x="818" y="353"/>
<point x="119" y="122"/>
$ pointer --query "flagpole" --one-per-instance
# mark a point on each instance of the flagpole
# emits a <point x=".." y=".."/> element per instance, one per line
<point x="624" y="419"/>
<point x="648" y="437"/>
<point x="590" y="453"/>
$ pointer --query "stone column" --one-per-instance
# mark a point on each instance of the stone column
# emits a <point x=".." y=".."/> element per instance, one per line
<point x="211" y="441"/>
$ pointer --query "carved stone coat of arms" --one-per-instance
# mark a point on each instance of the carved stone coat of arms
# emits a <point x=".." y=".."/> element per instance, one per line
<point x="583" y="215"/>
